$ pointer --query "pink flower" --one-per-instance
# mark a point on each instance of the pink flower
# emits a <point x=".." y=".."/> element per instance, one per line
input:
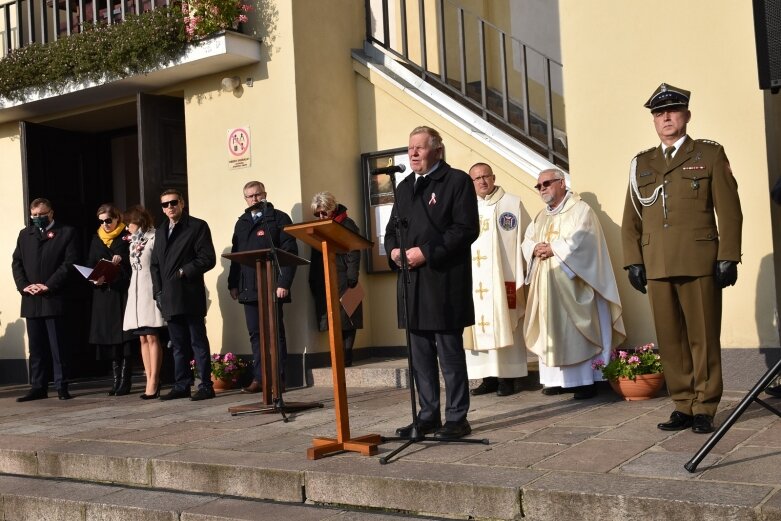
<point x="229" y="357"/>
<point x="243" y="18"/>
<point x="622" y="355"/>
<point x="634" y="359"/>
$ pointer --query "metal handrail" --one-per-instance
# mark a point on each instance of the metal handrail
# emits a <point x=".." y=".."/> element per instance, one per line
<point x="534" y="128"/>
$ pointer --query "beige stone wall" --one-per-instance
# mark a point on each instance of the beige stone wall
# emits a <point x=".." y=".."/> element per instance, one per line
<point x="615" y="55"/>
<point x="15" y="215"/>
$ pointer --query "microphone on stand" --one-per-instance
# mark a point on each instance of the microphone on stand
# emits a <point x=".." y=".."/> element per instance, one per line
<point x="389" y="169"/>
<point x="259" y="206"/>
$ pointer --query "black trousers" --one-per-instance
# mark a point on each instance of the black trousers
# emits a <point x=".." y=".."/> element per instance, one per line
<point x="253" y="328"/>
<point x="188" y="335"/>
<point x="47" y="337"/>
<point x="447" y="346"/>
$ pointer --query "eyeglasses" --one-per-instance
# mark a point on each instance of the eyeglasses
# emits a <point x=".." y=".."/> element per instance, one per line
<point x="546" y="184"/>
<point x="172" y="203"/>
<point x="259" y="195"/>
<point x="486" y="177"/>
<point x="106" y="221"/>
<point x="321" y="214"/>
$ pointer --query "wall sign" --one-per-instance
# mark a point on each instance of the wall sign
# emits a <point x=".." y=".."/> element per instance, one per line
<point x="239" y="152"/>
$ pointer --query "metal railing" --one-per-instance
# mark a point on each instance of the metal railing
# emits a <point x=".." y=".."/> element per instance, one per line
<point x="504" y="80"/>
<point x="23" y="22"/>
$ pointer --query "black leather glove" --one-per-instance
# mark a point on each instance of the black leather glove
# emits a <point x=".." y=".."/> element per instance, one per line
<point x="637" y="276"/>
<point x="159" y="300"/>
<point x="351" y="283"/>
<point x="726" y="273"/>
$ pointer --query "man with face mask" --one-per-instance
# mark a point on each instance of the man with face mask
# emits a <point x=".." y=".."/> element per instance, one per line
<point x="44" y="252"/>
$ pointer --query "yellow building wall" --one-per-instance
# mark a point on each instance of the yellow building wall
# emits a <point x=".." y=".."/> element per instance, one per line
<point x="707" y="47"/>
<point x="12" y="327"/>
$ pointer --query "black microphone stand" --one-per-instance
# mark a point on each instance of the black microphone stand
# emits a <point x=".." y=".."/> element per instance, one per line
<point x="399" y="224"/>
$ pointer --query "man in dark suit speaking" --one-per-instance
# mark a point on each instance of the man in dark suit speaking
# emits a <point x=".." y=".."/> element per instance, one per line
<point x="183" y="253"/>
<point x="439" y="206"/>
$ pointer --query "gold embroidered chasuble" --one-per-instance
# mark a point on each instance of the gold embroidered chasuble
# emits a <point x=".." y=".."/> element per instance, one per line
<point x="562" y="322"/>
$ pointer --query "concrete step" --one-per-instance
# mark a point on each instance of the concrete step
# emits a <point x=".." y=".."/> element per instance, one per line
<point x="379" y="372"/>
<point x="43" y="499"/>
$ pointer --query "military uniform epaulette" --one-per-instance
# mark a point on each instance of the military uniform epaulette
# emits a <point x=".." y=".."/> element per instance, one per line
<point x="644" y="151"/>
<point x="708" y="142"/>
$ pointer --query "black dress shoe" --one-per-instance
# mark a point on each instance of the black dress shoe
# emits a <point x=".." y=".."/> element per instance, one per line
<point x="584" y="392"/>
<point x="702" y="424"/>
<point x="63" y="394"/>
<point x="453" y="430"/>
<point x="774" y="391"/>
<point x="678" y="422"/>
<point x="33" y="394"/>
<point x="551" y="391"/>
<point x="424" y="427"/>
<point x="505" y="387"/>
<point x="204" y="393"/>
<point x="488" y="385"/>
<point x="175" y="394"/>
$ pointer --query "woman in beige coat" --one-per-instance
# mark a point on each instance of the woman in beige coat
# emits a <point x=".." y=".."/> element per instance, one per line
<point x="142" y="316"/>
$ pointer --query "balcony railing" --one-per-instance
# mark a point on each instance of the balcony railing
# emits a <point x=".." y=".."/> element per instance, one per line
<point x="505" y="81"/>
<point x="23" y="22"/>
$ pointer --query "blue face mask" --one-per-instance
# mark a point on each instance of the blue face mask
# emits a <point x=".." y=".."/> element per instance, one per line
<point x="41" y="221"/>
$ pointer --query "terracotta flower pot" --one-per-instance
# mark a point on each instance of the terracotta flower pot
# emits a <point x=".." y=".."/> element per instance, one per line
<point x="644" y="387"/>
<point x="222" y="384"/>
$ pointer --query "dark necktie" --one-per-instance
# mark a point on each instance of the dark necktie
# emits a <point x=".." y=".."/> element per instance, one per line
<point x="668" y="154"/>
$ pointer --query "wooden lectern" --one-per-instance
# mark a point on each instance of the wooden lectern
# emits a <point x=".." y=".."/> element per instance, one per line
<point x="331" y="238"/>
<point x="269" y="352"/>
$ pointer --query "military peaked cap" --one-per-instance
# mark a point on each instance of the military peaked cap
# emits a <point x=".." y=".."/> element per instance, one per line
<point x="667" y="96"/>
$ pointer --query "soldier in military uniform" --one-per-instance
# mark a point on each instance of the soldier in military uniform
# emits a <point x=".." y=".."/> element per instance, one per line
<point x="672" y="244"/>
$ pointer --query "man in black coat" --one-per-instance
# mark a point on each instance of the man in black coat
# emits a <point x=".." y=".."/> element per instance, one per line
<point x="438" y="207"/>
<point x="183" y="253"/>
<point x="260" y="224"/>
<point x="44" y="254"/>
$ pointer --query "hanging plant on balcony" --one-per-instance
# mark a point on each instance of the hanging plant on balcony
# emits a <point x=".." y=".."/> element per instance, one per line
<point x="100" y="53"/>
<point x="205" y="17"/>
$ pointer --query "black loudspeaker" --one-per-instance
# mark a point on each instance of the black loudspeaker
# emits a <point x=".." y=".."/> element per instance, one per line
<point x="767" y="30"/>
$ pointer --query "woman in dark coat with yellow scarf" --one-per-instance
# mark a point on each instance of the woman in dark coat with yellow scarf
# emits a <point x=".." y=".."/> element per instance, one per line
<point x="112" y="243"/>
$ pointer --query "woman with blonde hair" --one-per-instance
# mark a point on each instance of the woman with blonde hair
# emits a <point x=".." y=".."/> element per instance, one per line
<point x="324" y="206"/>
<point x="142" y="316"/>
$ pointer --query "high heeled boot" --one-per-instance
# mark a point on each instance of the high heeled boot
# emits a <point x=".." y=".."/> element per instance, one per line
<point x="116" y="369"/>
<point x="125" y="379"/>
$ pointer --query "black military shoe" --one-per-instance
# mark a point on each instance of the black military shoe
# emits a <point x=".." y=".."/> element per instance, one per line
<point x="552" y="391"/>
<point x="584" y="392"/>
<point x="63" y="394"/>
<point x="488" y="385"/>
<point x="678" y="422"/>
<point x="702" y="424"/>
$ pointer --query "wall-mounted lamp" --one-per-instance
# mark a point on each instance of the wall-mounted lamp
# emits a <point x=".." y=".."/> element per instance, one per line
<point x="231" y="83"/>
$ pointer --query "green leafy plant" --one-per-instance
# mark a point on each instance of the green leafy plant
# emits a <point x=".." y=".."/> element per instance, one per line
<point x="225" y="367"/>
<point x="631" y="363"/>
<point x="205" y="17"/>
<point x="100" y="53"/>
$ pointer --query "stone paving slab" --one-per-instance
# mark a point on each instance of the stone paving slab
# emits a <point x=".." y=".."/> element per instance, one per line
<point x="549" y="457"/>
<point x="597" y="497"/>
<point x="440" y="488"/>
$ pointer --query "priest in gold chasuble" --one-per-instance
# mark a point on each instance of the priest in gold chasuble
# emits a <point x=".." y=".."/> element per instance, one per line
<point x="495" y="348"/>
<point x="573" y="312"/>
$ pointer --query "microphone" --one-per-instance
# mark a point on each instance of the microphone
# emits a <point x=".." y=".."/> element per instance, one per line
<point x="389" y="169"/>
<point x="260" y="205"/>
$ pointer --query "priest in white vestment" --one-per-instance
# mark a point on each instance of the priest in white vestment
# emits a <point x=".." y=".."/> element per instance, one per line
<point x="494" y="346"/>
<point x="573" y="312"/>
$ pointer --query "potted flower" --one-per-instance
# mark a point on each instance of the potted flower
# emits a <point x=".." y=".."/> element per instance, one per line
<point x="635" y="374"/>
<point x="226" y="370"/>
<point x="205" y="17"/>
